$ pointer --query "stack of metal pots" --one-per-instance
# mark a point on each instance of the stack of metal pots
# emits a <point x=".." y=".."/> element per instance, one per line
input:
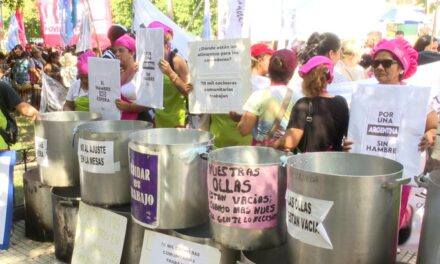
<point x="57" y="166"/>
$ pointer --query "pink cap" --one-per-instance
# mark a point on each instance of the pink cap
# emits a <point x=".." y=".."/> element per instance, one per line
<point x="316" y="61"/>
<point x="82" y="64"/>
<point x="260" y="49"/>
<point x="157" y="24"/>
<point x="126" y="41"/>
<point x="404" y="52"/>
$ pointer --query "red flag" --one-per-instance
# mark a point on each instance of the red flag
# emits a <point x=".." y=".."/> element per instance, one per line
<point x="21" y="32"/>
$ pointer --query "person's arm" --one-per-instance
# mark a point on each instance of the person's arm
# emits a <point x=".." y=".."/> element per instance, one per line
<point x="131" y="107"/>
<point x="27" y="110"/>
<point x="290" y="140"/>
<point x="247" y="123"/>
<point x="179" y="77"/>
<point x="428" y="138"/>
<point x="69" y="106"/>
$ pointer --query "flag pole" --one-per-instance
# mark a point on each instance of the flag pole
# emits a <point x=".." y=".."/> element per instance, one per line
<point x="94" y="28"/>
<point x="434" y="23"/>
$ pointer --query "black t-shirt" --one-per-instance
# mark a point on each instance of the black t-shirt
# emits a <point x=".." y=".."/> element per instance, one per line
<point x="328" y="126"/>
<point x="9" y="98"/>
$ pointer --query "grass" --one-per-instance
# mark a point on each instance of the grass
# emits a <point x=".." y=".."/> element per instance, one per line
<point x="25" y="144"/>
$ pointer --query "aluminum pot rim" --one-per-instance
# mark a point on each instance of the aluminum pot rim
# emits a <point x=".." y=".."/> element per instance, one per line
<point x="397" y="172"/>
<point x="88" y="126"/>
<point x="214" y="152"/>
<point x="93" y="115"/>
<point x="209" y="142"/>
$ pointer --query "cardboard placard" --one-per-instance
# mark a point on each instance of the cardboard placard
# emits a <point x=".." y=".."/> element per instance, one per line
<point x="7" y="162"/>
<point x="160" y="248"/>
<point x="99" y="236"/>
<point x="104" y="87"/>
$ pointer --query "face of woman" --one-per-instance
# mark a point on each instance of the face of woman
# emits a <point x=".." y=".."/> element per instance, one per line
<point x="335" y="56"/>
<point x="386" y="68"/>
<point x="123" y="54"/>
<point x="264" y="63"/>
<point x="84" y="78"/>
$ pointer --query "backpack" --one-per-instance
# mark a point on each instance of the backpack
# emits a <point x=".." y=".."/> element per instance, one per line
<point x="9" y="134"/>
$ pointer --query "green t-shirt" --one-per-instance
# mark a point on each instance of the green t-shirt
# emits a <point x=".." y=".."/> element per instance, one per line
<point x="226" y="132"/>
<point x="174" y="103"/>
<point x="3" y="123"/>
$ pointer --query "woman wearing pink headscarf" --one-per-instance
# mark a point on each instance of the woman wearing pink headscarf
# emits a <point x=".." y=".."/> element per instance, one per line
<point x="77" y="98"/>
<point x="318" y="121"/>
<point x="125" y="51"/>
<point x="394" y="61"/>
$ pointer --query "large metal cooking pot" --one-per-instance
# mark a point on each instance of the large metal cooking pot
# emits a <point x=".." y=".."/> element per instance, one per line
<point x="429" y="245"/>
<point x="202" y="235"/>
<point x="274" y="255"/>
<point x="56" y="158"/>
<point x="103" y="160"/>
<point x="38" y="207"/>
<point x="168" y="177"/>
<point x="65" y="202"/>
<point x="246" y="197"/>
<point x="342" y="208"/>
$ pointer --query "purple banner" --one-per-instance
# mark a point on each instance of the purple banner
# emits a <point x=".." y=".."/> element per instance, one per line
<point x="144" y="184"/>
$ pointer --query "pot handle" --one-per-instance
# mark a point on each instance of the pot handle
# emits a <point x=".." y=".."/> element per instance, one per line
<point x="74" y="134"/>
<point x="283" y="159"/>
<point x="190" y="154"/>
<point x="421" y="180"/>
<point x="68" y="203"/>
<point x="396" y="183"/>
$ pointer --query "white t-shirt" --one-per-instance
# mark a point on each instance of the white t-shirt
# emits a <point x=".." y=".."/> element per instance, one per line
<point x="259" y="82"/>
<point x="76" y="91"/>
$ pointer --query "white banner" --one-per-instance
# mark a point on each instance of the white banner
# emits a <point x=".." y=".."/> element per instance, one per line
<point x="425" y="77"/>
<point x="104" y="87"/>
<point x="149" y="81"/>
<point x="389" y="121"/>
<point x="145" y="13"/>
<point x="220" y="71"/>
<point x="53" y="95"/>
<point x="230" y="19"/>
<point x="99" y="236"/>
<point x="305" y="217"/>
<point x="160" y="248"/>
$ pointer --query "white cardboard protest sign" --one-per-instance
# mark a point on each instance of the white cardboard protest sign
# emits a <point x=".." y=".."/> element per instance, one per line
<point x="160" y="248"/>
<point x="7" y="161"/>
<point x="104" y="87"/>
<point x="389" y="121"/>
<point x="305" y="217"/>
<point x="99" y="236"/>
<point x="425" y="77"/>
<point x="220" y="73"/>
<point x="41" y="151"/>
<point x="149" y="80"/>
<point x="97" y="156"/>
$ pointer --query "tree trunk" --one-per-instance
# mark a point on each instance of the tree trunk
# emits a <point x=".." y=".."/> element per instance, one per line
<point x="170" y="12"/>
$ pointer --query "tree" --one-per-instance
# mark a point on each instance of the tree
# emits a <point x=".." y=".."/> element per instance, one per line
<point x="122" y="12"/>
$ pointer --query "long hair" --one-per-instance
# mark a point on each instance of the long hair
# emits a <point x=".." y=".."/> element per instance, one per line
<point x="319" y="44"/>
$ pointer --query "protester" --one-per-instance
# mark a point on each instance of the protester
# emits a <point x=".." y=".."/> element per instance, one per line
<point x="114" y="32"/>
<point x="426" y="43"/>
<point x="348" y="65"/>
<point x="394" y="61"/>
<point x="22" y="71"/>
<point x="77" y="98"/>
<point x="319" y="121"/>
<point x="9" y="101"/>
<point x="325" y="44"/>
<point x="267" y="110"/>
<point x="53" y="66"/>
<point x="125" y="51"/>
<point x="176" y="86"/>
<point x="399" y="34"/>
<point x="260" y="57"/>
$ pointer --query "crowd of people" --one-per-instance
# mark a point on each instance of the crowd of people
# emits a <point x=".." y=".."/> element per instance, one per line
<point x="274" y="115"/>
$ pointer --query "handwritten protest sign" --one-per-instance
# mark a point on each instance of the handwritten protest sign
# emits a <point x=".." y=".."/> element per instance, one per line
<point x="149" y="81"/>
<point x="7" y="161"/>
<point x="104" y="87"/>
<point x="305" y="217"/>
<point x="389" y="121"/>
<point x="220" y="73"/>
<point x="160" y="248"/>
<point x="99" y="235"/>
<point x="243" y="196"/>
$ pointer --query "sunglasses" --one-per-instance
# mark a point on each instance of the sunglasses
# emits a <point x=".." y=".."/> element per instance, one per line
<point x="385" y="63"/>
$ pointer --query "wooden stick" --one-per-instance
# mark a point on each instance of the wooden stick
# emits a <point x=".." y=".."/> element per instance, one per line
<point x="434" y="24"/>
<point x="94" y="28"/>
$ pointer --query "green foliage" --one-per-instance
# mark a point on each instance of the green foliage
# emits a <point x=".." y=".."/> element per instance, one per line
<point x="122" y="12"/>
